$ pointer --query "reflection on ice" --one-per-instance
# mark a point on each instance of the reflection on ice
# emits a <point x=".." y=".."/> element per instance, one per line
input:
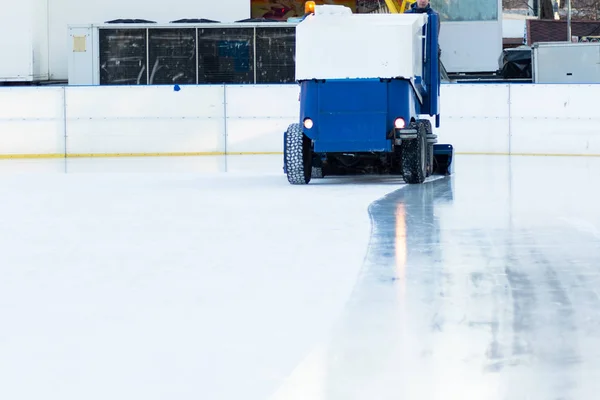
<point x="474" y="287"/>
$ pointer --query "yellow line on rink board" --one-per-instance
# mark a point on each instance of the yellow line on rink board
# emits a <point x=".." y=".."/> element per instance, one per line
<point x="10" y="156"/>
<point x="244" y="153"/>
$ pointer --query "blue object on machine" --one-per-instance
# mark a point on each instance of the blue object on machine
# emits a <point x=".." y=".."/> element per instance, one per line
<point x="370" y="125"/>
<point x="431" y="105"/>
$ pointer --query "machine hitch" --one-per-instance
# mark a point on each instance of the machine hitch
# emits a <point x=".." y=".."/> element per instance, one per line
<point x="443" y="155"/>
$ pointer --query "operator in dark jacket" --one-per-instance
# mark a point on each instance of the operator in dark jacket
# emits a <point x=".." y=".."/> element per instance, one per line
<point x="423" y="6"/>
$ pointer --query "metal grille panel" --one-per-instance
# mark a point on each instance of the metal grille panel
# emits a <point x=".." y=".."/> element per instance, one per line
<point x="172" y="56"/>
<point x="226" y="55"/>
<point x="123" y="57"/>
<point x="275" y="51"/>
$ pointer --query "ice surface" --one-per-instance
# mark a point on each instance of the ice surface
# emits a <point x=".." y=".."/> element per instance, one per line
<point x="170" y="278"/>
<point x="179" y="285"/>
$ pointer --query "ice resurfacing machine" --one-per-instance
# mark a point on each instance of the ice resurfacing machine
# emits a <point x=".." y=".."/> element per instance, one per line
<point x="365" y="80"/>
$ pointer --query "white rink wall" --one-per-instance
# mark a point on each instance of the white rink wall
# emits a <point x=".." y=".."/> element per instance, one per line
<point x="228" y="119"/>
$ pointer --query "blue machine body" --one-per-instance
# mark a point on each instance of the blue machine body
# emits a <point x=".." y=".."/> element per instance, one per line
<point x="358" y="115"/>
<point x="354" y="115"/>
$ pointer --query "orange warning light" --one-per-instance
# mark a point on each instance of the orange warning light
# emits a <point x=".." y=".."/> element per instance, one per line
<point x="309" y="7"/>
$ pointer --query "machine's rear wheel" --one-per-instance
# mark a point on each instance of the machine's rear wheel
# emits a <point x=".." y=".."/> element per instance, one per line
<point x="298" y="156"/>
<point x="431" y="140"/>
<point x="414" y="155"/>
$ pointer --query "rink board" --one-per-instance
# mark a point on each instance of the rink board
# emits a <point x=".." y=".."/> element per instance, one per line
<point x="519" y="119"/>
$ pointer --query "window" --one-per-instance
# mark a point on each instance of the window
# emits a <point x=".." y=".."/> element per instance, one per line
<point x="466" y="10"/>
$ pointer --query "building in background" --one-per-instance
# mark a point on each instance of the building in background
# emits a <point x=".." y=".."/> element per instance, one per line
<point x="36" y="45"/>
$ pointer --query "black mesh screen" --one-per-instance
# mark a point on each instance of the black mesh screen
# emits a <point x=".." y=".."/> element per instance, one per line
<point x="275" y="51"/>
<point x="122" y="56"/>
<point x="172" y="56"/>
<point x="225" y="55"/>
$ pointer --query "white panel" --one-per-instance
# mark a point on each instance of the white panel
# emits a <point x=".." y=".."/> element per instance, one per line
<point x="358" y="46"/>
<point x="145" y="136"/>
<point x="31" y="103"/>
<point x="145" y="119"/>
<point x="474" y="118"/>
<point x="16" y="41"/>
<point x="24" y="40"/>
<point x="474" y="100"/>
<point x="554" y="101"/>
<point x="263" y="101"/>
<point x="31" y="121"/>
<point x="257" y="136"/>
<point x="471" y="46"/>
<point x="572" y="63"/>
<point x="138" y="102"/>
<point x="513" y="28"/>
<point x="81" y="55"/>
<point x="546" y="136"/>
<point x="257" y="116"/>
<point x="474" y="135"/>
<point x="39" y="28"/>
<point x="71" y="12"/>
<point x="555" y="119"/>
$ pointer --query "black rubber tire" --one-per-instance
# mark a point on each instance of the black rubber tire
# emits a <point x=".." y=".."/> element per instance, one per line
<point x="429" y="130"/>
<point x="298" y="156"/>
<point x="414" y="156"/>
<point x="430" y="168"/>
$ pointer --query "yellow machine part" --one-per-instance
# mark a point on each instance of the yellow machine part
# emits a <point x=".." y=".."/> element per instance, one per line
<point x="398" y="6"/>
<point x="391" y="6"/>
<point x="406" y="4"/>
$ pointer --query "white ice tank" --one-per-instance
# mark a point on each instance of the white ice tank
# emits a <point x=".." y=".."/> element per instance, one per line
<point x="336" y="44"/>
